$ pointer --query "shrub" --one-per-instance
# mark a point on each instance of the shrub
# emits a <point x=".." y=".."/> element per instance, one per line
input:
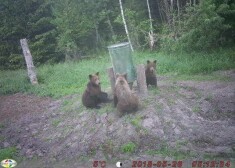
<point x="199" y="29"/>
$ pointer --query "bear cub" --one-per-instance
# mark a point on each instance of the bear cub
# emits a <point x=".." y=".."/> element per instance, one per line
<point x="150" y="73"/>
<point x="124" y="99"/>
<point x="93" y="94"/>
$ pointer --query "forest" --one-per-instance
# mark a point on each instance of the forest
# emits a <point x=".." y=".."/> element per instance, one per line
<point x="72" y="29"/>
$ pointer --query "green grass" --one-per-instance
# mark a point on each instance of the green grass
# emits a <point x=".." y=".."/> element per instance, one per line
<point x="55" y="123"/>
<point x="196" y="109"/>
<point x="129" y="147"/>
<point x="166" y="151"/>
<point x="190" y="64"/>
<point x="107" y="108"/>
<point x="7" y="153"/>
<point x="136" y="121"/>
<point x="71" y="77"/>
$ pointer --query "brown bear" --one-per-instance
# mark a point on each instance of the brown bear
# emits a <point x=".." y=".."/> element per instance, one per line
<point x="93" y="94"/>
<point x="124" y="99"/>
<point x="150" y="73"/>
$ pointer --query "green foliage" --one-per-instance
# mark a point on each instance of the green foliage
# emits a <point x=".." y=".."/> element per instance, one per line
<point x="129" y="147"/>
<point x="83" y="26"/>
<point x="15" y="61"/>
<point x="200" y="28"/>
<point x="138" y="27"/>
<point x="69" y="29"/>
<point x="7" y="153"/>
<point x="31" y="20"/>
<point x="72" y="25"/>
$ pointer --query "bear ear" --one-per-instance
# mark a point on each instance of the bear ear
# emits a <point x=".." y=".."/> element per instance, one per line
<point x="97" y="73"/>
<point x="90" y="76"/>
<point x="155" y="61"/>
<point x="148" y="61"/>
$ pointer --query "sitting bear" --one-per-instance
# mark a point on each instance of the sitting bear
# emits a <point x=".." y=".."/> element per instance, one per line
<point x="93" y="94"/>
<point x="124" y="99"/>
<point x="150" y="73"/>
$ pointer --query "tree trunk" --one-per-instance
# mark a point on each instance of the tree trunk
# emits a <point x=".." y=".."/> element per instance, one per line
<point x="97" y="34"/>
<point x="125" y="25"/>
<point x="150" y="18"/>
<point x="29" y="61"/>
<point x="172" y="7"/>
<point x="172" y="16"/>
<point x="151" y="35"/>
<point x="167" y="12"/>
<point x="179" y="24"/>
<point x="160" y="11"/>
<point x="111" y="29"/>
<point x="178" y="7"/>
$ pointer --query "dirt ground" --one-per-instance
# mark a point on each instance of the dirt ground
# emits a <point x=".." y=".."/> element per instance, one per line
<point x="181" y="120"/>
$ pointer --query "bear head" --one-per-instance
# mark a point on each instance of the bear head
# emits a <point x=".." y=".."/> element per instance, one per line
<point x="121" y="79"/>
<point x="151" y="66"/>
<point x="94" y="79"/>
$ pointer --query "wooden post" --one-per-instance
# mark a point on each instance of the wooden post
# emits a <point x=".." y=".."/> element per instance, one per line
<point x="111" y="78"/>
<point x="29" y="61"/>
<point x="141" y="80"/>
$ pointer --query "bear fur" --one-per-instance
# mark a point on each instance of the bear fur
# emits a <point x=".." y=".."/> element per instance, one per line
<point x="124" y="99"/>
<point x="93" y="94"/>
<point x="150" y="73"/>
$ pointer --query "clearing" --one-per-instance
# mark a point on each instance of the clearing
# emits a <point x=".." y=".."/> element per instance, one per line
<point x="182" y="120"/>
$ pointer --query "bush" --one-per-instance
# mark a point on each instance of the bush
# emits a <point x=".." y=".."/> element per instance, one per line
<point x="199" y="29"/>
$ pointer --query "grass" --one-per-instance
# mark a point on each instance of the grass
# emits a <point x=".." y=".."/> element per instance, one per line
<point x="166" y="151"/>
<point x="209" y="97"/>
<point x="136" y="121"/>
<point x="196" y="109"/>
<point x="129" y="147"/>
<point x="221" y="156"/>
<point x="71" y="77"/>
<point x="7" y="153"/>
<point x="107" y="108"/>
<point x="55" y="123"/>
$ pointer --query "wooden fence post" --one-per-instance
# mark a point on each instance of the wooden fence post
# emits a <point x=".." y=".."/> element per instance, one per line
<point x="29" y="61"/>
<point x="111" y="78"/>
<point x="141" y="80"/>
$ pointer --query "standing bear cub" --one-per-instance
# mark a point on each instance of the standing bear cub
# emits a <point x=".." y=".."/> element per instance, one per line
<point x="150" y="73"/>
<point x="93" y="94"/>
<point x="124" y="99"/>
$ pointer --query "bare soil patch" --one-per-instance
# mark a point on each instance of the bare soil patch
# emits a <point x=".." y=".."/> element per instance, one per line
<point x="180" y="120"/>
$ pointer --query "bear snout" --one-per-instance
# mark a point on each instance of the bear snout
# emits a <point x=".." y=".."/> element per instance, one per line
<point x="97" y="82"/>
<point x="152" y="70"/>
